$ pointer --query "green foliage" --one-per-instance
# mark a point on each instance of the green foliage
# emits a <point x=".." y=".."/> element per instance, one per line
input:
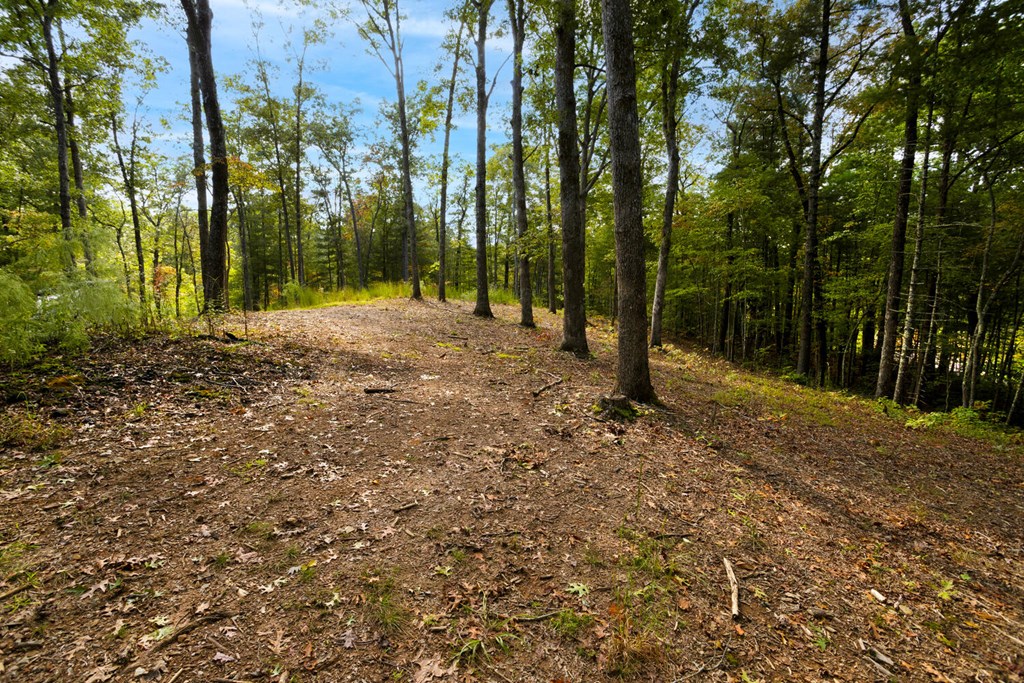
<point x="295" y="296"/>
<point x="61" y="317"/>
<point x="19" y="331"/>
<point x="29" y="432"/>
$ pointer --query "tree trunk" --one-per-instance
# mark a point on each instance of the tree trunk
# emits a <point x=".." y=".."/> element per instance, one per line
<point x="442" y="229"/>
<point x="483" y="304"/>
<point x="128" y="177"/>
<point x="60" y="124"/>
<point x="633" y="378"/>
<point x="886" y="367"/>
<point x="903" y="372"/>
<point x="517" y="17"/>
<point x="198" y="148"/>
<point x="552" y="299"/>
<point x="812" y="275"/>
<point x="669" y="96"/>
<point x="200" y="18"/>
<point x="574" y="323"/>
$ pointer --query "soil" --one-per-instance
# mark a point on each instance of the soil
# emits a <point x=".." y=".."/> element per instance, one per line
<point x="399" y="491"/>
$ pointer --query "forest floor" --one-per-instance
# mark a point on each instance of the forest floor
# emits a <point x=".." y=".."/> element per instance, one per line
<point x="189" y="509"/>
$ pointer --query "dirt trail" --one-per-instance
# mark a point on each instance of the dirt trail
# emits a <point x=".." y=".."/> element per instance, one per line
<point x="195" y="510"/>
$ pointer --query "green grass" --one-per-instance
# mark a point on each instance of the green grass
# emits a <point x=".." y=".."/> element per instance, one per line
<point x="29" y="432"/>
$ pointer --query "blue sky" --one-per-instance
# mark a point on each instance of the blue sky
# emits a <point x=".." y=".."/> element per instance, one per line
<point x="342" y="69"/>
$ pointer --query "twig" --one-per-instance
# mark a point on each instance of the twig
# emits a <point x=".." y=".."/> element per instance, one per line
<point x="378" y="390"/>
<point x="186" y="628"/>
<point x="407" y="506"/>
<point x="14" y="591"/>
<point x="529" y="617"/>
<point x="735" y="586"/>
<point x="538" y="392"/>
<point x="175" y="676"/>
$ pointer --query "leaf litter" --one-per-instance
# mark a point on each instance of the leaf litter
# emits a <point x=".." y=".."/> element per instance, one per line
<point x="261" y="494"/>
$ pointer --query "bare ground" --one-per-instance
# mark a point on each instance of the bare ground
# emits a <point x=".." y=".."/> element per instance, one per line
<point x="193" y="510"/>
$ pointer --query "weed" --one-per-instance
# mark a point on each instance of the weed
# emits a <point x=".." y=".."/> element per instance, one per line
<point x="569" y="623"/>
<point x="592" y="556"/>
<point x="264" y="530"/>
<point x="443" y="570"/>
<point x="222" y="560"/>
<point x="52" y="459"/>
<point x="307" y="572"/>
<point x="383" y="607"/>
<point x="27" y="431"/>
<point x="821" y="639"/>
<point x="482" y="642"/>
<point x="447" y="345"/>
<point x="946" y="590"/>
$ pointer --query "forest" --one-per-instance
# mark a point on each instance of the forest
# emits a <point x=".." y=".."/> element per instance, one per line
<point x="536" y="340"/>
<point x="828" y="189"/>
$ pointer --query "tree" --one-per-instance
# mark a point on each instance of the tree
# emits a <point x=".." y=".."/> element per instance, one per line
<point x="382" y="31"/>
<point x="574" y="321"/>
<point x="483" y="304"/>
<point x="633" y="377"/>
<point x="517" y="18"/>
<point x="200" y="22"/>
<point x="456" y="54"/>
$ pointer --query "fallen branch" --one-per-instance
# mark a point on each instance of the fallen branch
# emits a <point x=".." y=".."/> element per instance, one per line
<point x="735" y="586"/>
<point x="378" y="390"/>
<point x="530" y="617"/>
<point x="14" y="591"/>
<point x="538" y="392"/>
<point x="182" y="630"/>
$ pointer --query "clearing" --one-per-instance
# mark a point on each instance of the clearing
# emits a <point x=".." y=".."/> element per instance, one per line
<point x="196" y="509"/>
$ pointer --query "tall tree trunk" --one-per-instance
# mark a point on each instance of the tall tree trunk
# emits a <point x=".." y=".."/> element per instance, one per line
<point x="483" y="304"/>
<point x="633" y="378"/>
<point x="574" y="322"/>
<point x="243" y="245"/>
<point x="886" y="365"/>
<point x="982" y="305"/>
<point x="48" y="9"/>
<point x="903" y="372"/>
<point x="200" y="18"/>
<point x="299" y="256"/>
<point x="552" y="299"/>
<point x="812" y="268"/>
<point x="517" y="17"/>
<point x="198" y="148"/>
<point x="442" y="229"/>
<point x="128" y="177"/>
<point x="669" y="96"/>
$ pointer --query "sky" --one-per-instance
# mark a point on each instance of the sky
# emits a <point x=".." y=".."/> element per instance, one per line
<point x="341" y="67"/>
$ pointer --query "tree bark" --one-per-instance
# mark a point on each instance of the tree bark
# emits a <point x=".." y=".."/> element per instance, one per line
<point x="574" y="322"/>
<point x="517" y="18"/>
<point x="633" y="378"/>
<point x="483" y="304"/>
<point x="198" y="148"/>
<point x="812" y="269"/>
<point x="903" y="371"/>
<point x="442" y="229"/>
<point x="669" y="97"/>
<point x="200" y="19"/>
<point x="47" y="11"/>
<point x="886" y="366"/>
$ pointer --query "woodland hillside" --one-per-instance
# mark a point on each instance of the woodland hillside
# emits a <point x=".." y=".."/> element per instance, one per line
<point x="403" y="491"/>
<point x="830" y="189"/>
